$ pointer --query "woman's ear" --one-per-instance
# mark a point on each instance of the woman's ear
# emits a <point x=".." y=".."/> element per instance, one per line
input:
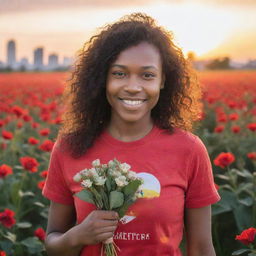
<point x="162" y="82"/>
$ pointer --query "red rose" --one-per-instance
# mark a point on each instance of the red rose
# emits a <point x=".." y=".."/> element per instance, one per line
<point x="252" y="127"/>
<point x="252" y="155"/>
<point x="44" y="173"/>
<point x="7" y="218"/>
<point x="2" y="253"/>
<point x="7" y="135"/>
<point x="33" y="141"/>
<point x="29" y="163"/>
<point x="221" y="117"/>
<point x="47" y="145"/>
<point x="233" y="116"/>
<point x="41" y="184"/>
<point x="5" y="170"/>
<point x="40" y="233"/>
<point x="224" y="159"/>
<point x="18" y="111"/>
<point x="19" y="124"/>
<point x="219" y="129"/>
<point x="27" y="118"/>
<point x="45" y="132"/>
<point x="35" y="125"/>
<point x="2" y="123"/>
<point x="247" y="236"/>
<point x="235" y="129"/>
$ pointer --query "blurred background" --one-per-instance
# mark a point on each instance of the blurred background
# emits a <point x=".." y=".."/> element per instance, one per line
<point x="46" y="34"/>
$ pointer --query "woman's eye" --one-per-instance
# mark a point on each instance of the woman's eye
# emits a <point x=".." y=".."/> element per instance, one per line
<point x="118" y="74"/>
<point x="148" y="75"/>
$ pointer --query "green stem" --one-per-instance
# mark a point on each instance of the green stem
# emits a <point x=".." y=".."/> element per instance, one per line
<point x="18" y="208"/>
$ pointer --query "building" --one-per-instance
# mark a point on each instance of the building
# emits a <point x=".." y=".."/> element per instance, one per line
<point x="11" y="53"/>
<point x="53" y="60"/>
<point x="38" y="58"/>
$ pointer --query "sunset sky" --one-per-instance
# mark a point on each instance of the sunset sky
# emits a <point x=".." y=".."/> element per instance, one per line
<point x="210" y="28"/>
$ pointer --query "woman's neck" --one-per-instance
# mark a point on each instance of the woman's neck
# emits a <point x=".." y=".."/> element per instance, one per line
<point x="129" y="131"/>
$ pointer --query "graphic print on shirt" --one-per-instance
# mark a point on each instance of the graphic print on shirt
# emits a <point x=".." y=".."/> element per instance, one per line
<point x="150" y="188"/>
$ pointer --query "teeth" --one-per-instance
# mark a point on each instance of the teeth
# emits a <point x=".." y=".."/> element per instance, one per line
<point x="132" y="102"/>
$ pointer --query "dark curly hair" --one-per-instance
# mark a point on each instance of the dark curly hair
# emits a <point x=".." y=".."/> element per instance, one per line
<point x="88" y="111"/>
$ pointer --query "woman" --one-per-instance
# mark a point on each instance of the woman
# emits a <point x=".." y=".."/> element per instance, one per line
<point x="132" y="97"/>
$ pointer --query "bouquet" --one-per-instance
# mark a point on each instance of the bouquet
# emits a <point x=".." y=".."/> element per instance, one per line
<point x="111" y="186"/>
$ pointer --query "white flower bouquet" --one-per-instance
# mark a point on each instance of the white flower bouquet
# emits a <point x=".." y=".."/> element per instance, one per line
<point x="111" y="186"/>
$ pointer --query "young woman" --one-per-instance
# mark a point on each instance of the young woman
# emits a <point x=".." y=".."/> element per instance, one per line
<point x="133" y="98"/>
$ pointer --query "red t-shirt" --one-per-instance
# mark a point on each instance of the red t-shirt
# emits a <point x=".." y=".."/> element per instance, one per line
<point x="177" y="174"/>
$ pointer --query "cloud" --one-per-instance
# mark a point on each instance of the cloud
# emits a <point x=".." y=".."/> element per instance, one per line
<point x="30" y="5"/>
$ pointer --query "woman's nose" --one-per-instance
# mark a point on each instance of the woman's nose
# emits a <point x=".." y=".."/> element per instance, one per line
<point x="133" y="85"/>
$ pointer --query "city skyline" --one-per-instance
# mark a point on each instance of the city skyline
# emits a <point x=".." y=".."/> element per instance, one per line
<point x="210" y="28"/>
<point x="40" y="61"/>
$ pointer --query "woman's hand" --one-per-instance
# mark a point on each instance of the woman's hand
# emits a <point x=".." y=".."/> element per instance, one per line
<point x="97" y="227"/>
<point x="67" y="239"/>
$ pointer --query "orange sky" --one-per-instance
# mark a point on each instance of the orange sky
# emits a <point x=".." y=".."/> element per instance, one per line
<point x="208" y="27"/>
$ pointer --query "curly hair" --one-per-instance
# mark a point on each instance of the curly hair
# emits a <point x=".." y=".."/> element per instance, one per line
<point x="88" y="111"/>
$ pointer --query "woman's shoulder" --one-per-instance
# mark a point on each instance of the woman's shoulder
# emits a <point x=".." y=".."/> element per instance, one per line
<point x="180" y="135"/>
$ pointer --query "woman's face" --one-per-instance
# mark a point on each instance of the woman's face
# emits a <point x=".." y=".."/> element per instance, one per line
<point x="133" y="83"/>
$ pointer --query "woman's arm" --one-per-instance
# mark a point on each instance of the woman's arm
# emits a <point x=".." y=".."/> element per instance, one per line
<point x="198" y="232"/>
<point x="60" y="240"/>
<point x="67" y="239"/>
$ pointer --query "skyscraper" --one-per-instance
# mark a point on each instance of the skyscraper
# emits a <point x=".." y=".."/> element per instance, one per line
<point x="53" y="61"/>
<point x="11" y="53"/>
<point x="38" y="58"/>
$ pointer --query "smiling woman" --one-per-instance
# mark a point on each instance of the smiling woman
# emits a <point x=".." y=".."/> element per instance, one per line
<point x="134" y="98"/>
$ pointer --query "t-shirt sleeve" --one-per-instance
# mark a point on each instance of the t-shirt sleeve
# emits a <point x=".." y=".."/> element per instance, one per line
<point x="55" y="188"/>
<point x="201" y="189"/>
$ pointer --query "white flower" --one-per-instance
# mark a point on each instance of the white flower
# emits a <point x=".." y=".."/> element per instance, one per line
<point x="111" y="163"/>
<point x="121" y="181"/>
<point x="132" y="175"/>
<point x="86" y="183"/>
<point x="125" y="167"/>
<point x="77" y="177"/>
<point x="92" y="172"/>
<point x="114" y="173"/>
<point x="99" y="181"/>
<point x="96" y="163"/>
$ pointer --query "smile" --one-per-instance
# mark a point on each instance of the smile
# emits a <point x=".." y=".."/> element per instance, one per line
<point x="132" y="102"/>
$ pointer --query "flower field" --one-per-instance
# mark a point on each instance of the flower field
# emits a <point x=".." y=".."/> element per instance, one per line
<point x="30" y="114"/>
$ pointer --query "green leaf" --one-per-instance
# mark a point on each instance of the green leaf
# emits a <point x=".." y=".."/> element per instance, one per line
<point x="132" y="187"/>
<point x="23" y="225"/>
<point x="39" y="204"/>
<point x="252" y="254"/>
<point x="223" y="177"/>
<point x="116" y="199"/>
<point x="108" y="184"/>
<point x="243" y="216"/>
<point x="239" y="252"/>
<point x="228" y="199"/>
<point x="27" y="193"/>
<point x="10" y="236"/>
<point x="86" y="196"/>
<point x="123" y="209"/>
<point x="248" y="201"/>
<point x="6" y="246"/>
<point x="218" y="209"/>
<point x="15" y="192"/>
<point x="33" y="245"/>
<point x="244" y="173"/>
